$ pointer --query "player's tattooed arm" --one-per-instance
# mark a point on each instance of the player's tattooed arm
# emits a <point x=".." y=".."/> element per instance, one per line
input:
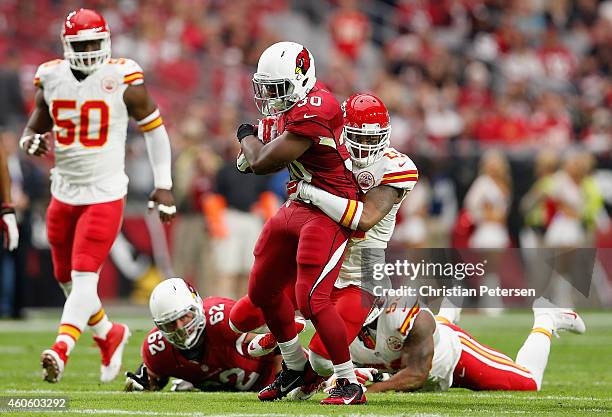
<point x="143" y="109"/>
<point x="416" y="358"/>
<point x="268" y="158"/>
<point x="36" y="136"/>
<point x="377" y="203"/>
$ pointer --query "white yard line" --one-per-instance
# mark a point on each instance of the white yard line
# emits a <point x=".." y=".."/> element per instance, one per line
<point x="415" y="395"/>
<point x="199" y="414"/>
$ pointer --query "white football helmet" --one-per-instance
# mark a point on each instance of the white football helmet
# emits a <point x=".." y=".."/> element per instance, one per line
<point x="171" y="300"/>
<point x="285" y="74"/>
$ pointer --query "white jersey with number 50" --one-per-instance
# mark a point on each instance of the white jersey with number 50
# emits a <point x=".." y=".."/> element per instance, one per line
<point x="395" y="170"/>
<point x="90" y="122"/>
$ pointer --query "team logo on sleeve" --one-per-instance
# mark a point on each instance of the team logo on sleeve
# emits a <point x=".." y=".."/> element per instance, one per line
<point x="302" y="62"/>
<point x="365" y="180"/>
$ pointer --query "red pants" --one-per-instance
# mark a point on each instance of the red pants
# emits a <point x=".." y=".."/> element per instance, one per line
<point x="353" y="305"/>
<point x="81" y="236"/>
<point x="300" y="246"/>
<point x="482" y="368"/>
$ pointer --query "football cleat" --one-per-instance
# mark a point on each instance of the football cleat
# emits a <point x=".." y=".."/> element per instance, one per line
<point x="564" y="319"/>
<point x="264" y="344"/>
<point x="345" y="393"/>
<point x="111" y="351"/>
<point x="310" y="385"/>
<point x="286" y="381"/>
<point x="53" y="362"/>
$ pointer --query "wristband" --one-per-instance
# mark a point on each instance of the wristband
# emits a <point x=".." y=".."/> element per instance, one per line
<point x="244" y="130"/>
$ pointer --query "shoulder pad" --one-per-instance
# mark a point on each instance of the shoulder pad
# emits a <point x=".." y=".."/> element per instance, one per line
<point x="401" y="317"/>
<point x="45" y="70"/>
<point x="132" y="72"/>
<point x="398" y="170"/>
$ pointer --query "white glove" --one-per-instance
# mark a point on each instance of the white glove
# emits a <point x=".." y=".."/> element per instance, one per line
<point x="296" y="189"/>
<point x="179" y="385"/>
<point x="37" y="144"/>
<point x="242" y="164"/>
<point x="8" y="227"/>
<point x="267" y="129"/>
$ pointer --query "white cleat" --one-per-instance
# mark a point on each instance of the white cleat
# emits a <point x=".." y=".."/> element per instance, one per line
<point x="564" y="319"/>
<point x="52" y="365"/>
<point x="111" y="351"/>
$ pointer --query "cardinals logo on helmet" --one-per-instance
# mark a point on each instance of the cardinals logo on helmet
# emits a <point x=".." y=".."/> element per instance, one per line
<point x="302" y="62"/>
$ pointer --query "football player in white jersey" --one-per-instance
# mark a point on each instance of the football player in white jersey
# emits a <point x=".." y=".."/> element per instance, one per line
<point x="83" y="103"/>
<point x="385" y="176"/>
<point x="423" y="353"/>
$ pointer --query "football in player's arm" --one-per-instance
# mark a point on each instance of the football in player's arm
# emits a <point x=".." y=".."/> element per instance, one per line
<point x="8" y="222"/>
<point x="141" y="107"/>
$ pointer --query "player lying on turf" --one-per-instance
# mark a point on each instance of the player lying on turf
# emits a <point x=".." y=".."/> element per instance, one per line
<point x="426" y="353"/>
<point x="83" y="104"/>
<point x="192" y="341"/>
<point x="385" y="176"/>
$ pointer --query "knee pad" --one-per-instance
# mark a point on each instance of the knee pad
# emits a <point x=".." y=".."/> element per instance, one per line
<point x="323" y="367"/>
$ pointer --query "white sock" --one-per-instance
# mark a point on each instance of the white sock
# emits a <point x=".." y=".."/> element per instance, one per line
<point x="68" y="340"/>
<point x="346" y="370"/>
<point x="99" y="324"/>
<point x="293" y="354"/>
<point x="533" y="355"/>
<point x="81" y="304"/>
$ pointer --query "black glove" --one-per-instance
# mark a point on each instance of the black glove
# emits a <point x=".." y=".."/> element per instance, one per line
<point x="139" y="380"/>
<point x="244" y="130"/>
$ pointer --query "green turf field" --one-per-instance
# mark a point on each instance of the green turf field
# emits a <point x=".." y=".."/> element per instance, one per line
<point x="578" y="380"/>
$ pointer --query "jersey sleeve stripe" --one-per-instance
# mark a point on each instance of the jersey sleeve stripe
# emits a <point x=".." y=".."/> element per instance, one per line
<point x="349" y="213"/>
<point x="406" y="324"/>
<point x="130" y="78"/>
<point x="37" y="82"/>
<point x="155" y="123"/>
<point x="408" y="172"/>
<point x="405" y="178"/>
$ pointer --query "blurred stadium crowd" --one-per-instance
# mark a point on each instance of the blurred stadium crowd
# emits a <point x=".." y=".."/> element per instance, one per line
<point x="503" y="104"/>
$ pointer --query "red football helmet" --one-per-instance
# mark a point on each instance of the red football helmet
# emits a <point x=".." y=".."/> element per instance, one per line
<point x="81" y="26"/>
<point x="367" y="128"/>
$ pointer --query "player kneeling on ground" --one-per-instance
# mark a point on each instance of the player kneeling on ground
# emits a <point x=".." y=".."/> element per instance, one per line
<point x="422" y="352"/>
<point x="193" y="341"/>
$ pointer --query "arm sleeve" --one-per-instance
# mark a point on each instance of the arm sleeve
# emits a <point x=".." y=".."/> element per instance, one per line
<point x="158" y="149"/>
<point x="342" y="210"/>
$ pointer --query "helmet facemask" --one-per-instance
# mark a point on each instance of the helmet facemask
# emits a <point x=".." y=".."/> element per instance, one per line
<point x="273" y="97"/>
<point x="86" y="61"/>
<point x="367" y="144"/>
<point x="183" y="336"/>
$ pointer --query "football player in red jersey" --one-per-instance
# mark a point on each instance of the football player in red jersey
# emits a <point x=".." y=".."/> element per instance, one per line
<point x="301" y="246"/>
<point x="385" y="176"/>
<point x="83" y="104"/>
<point x="194" y="342"/>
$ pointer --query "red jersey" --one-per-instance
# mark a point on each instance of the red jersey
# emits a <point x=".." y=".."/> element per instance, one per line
<point x="327" y="163"/>
<point x="225" y="363"/>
